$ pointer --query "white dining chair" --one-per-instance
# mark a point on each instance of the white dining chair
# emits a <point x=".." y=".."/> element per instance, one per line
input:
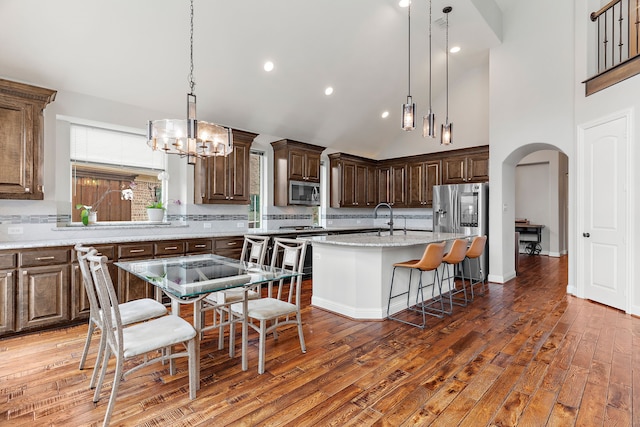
<point x="131" y="312"/>
<point x="254" y="250"/>
<point x="159" y="334"/>
<point x="281" y="306"/>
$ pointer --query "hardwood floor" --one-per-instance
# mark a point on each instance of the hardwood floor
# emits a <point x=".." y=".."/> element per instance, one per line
<point x="525" y="354"/>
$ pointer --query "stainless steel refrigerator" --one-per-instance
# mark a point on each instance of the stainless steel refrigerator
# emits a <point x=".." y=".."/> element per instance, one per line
<point x="464" y="208"/>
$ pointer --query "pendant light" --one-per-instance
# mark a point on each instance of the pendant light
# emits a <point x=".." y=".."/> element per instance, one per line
<point x="446" y="130"/>
<point x="409" y="109"/>
<point x="190" y="137"/>
<point x="429" y="121"/>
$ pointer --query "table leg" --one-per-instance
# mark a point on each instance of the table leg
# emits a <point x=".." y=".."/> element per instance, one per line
<point x="245" y="329"/>
<point x="197" y="324"/>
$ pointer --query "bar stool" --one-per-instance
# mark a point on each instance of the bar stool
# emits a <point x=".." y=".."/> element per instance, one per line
<point x="475" y="250"/>
<point x="455" y="256"/>
<point x="431" y="260"/>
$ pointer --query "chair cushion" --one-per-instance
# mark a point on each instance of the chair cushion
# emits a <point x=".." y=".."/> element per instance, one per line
<point x="158" y="333"/>
<point x="141" y="309"/>
<point x="266" y="308"/>
<point x="229" y="296"/>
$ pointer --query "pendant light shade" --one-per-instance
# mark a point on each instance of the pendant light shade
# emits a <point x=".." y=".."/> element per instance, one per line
<point x="446" y="130"/>
<point x="409" y="109"/>
<point x="189" y="137"/>
<point x="429" y="121"/>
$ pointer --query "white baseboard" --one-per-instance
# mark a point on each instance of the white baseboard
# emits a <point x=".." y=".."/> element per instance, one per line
<point x="494" y="278"/>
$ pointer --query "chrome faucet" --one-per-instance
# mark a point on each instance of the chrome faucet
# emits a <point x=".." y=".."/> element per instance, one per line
<point x="375" y="215"/>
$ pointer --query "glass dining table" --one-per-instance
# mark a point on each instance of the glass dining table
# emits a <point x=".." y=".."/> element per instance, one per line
<point x="188" y="279"/>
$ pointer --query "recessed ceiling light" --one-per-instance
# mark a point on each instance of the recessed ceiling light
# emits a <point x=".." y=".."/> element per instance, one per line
<point x="385" y="114"/>
<point x="455" y="49"/>
<point x="404" y="3"/>
<point x="328" y="91"/>
<point x="268" y="66"/>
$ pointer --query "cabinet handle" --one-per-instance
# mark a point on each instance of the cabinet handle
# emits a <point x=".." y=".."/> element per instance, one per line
<point x="232" y="243"/>
<point x="135" y="251"/>
<point x="9" y="274"/>
<point x="24" y="273"/>
<point x="231" y="198"/>
<point x="171" y="248"/>
<point x="45" y="258"/>
<point x="200" y="246"/>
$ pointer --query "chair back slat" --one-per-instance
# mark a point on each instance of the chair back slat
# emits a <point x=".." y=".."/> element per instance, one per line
<point x="108" y="299"/>
<point x="82" y="252"/>
<point x="254" y="249"/>
<point x="288" y="254"/>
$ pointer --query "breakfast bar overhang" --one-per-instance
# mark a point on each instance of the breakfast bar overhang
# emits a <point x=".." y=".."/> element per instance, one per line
<point x="352" y="272"/>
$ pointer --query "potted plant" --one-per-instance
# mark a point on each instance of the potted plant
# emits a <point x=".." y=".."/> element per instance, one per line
<point x="155" y="211"/>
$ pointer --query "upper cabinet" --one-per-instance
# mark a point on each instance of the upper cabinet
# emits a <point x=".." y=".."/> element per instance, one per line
<point x="421" y="177"/>
<point x="353" y="181"/>
<point x="293" y="161"/>
<point x="225" y="179"/>
<point x="472" y="166"/>
<point x="21" y="138"/>
<point x="392" y="178"/>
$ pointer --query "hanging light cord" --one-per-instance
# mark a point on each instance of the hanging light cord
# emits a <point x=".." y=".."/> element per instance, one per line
<point x="409" y="38"/>
<point x="192" y="84"/>
<point x="430" y="56"/>
<point x="447" y="67"/>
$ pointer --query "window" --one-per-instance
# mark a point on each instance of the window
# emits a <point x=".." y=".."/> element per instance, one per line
<point x="255" y="189"/>
<point x="103" y="163"/>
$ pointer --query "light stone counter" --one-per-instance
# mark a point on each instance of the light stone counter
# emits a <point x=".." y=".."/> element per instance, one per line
<point x="352" y="273"/>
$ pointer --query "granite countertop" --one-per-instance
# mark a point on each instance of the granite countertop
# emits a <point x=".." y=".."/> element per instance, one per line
<point x="385" y="240"/>
<point x="79" y="235"/>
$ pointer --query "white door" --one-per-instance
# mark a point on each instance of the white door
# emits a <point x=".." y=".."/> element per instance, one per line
<point x="604" y="213"/>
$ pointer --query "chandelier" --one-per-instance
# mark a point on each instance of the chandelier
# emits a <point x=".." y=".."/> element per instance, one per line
<point x="409" y="109"/>
<point x="190" y="137"/>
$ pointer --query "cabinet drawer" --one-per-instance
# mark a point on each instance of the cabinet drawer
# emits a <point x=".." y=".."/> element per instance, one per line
<point x="200" y="246"/>
<point x="226" y="243"/>
<point x="169" y="248"/>
<point x="108" y="251"/>
<point x="137" y="250"/>
<point x="45" y="257"/>
<point x="7" y="261"/>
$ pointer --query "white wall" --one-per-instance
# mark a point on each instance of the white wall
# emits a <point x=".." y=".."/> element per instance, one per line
<point x="531" y="108"/>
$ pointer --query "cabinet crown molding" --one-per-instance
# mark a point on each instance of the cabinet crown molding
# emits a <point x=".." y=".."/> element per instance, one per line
<point x="25" y="91"/>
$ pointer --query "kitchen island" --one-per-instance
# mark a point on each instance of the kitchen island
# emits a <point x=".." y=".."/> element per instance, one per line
<point x="352" y="272"/>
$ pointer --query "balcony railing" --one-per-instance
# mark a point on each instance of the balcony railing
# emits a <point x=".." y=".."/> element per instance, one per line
<point x="618" y="41"/>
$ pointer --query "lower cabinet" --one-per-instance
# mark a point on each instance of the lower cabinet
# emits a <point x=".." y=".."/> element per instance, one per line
<point x="7" y="301"/>
<point x="43" y="296"/>
<point x="130" y="286"/>
<point x="230" y="247"/>
<point x="79" y="301"/>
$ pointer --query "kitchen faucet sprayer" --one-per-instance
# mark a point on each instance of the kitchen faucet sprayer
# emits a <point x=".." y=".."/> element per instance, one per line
<point x="375" y="215"/>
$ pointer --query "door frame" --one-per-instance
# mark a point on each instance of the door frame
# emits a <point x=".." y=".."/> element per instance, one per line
<point x="580" y="290"/>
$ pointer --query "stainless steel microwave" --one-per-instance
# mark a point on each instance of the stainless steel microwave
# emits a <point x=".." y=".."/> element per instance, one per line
<point x="304" y="193"/>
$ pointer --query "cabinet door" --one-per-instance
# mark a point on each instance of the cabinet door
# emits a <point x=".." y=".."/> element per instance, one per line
<point x="230" y="247"/>
<point x="384" y="182"/>
<point x="454" y="170"/>
<point x="131" y="287"/>
<point x="432" y="170"/>
<point x="239" y="174"/>
<point x="360" y="186"/>
<point x="79" y="301"/>
<point x="217" y="175"/>
<point x="297" y="165"/>
<point x="348" y="197"/>
<point x="398" y="185"/>
<point x="478" y="168"/>
<point x="43" y="296"/>
<point x="7" y="301"/>
<point x="371" y="189"/>
<point x="416" y="192"/>
<point x="312" y="167"/>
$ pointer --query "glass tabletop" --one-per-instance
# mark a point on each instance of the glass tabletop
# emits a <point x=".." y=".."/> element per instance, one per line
<point x="193" y="275"/>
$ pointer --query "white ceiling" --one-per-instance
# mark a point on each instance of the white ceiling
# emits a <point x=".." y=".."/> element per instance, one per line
<point x="137" y="52"/>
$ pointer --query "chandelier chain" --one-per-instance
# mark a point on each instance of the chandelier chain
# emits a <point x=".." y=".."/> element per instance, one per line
<point x="192" y="83"/>
<point x="409" y="38"/>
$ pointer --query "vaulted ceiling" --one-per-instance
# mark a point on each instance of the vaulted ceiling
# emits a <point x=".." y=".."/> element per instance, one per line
<point x="137" y="53"/>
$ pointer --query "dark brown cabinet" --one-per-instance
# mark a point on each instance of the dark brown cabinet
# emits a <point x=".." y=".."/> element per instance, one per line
<point x="421" y="178"/>
<point x="79" y="301"/>
<point x="130" y="286"/>
<point x="466" y="168"/>
<point x="225" y="179"/>
<point x="43" y="288"/>
<point x="7" y="292"/>
<point x="21" y="138"/>
<point x="392" y="184"/>
<point x="230" y="247"/>
<point x="293" y="161"/>
<point x="353" y="181"/>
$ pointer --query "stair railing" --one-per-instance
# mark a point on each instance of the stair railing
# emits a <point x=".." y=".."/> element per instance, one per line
<point x="617" y="40"/>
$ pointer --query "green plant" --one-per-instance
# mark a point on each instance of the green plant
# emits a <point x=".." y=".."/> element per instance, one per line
<point x="84" y="214"/>
<point x="155" y="205"/>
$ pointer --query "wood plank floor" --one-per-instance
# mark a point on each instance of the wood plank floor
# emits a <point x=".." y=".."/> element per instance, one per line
<point x="525" y="354"/>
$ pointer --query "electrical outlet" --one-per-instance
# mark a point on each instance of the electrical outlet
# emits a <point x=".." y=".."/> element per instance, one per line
<point x="15" y="230"/>
<point x="206" y="225"/>
<point x="330" y="222"/>
<point x="240" y="224"/>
